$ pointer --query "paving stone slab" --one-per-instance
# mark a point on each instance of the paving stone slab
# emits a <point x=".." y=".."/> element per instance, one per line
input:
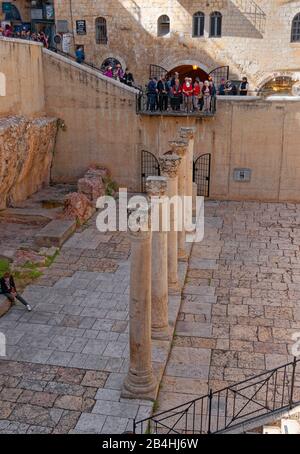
<point x="55" y="233"/>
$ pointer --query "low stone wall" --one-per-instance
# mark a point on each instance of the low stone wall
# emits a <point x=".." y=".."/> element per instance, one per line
<point x="26" y="152"/>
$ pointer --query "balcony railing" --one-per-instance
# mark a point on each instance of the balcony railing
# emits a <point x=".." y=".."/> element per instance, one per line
<point x="253" y="12"/>
<point x="236" y="405"/>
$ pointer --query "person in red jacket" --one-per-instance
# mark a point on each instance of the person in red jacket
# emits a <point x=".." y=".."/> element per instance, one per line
<point x="197" y="94"/>
<point x="187" y="90"/>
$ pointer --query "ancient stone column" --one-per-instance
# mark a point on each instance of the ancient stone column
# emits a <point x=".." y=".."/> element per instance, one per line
<point x="156" y="189"/>
<point x="180" y="147"/>
<point x="169" y="165"/>
<point x="189" y="134"/>
<point x="140" y="382"/>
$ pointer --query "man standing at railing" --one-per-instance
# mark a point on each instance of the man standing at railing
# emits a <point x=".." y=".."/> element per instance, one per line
<point x="244" y="87"/>
<point x="152" y="93"/>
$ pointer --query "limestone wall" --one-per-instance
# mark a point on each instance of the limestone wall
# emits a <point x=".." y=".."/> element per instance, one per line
<point x="263" y="136"/>
<point x="26" y="151"/>
<point x="100" y="120"/>
<point x="21" y="67"/>
<point x="132" y="28"/>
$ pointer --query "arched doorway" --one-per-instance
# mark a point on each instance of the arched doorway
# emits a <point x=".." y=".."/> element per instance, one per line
<point x="150" y="167"/>
<point x="110" y="61"/>
<point x="192" y="71"/>
<point x="278" y="86"/>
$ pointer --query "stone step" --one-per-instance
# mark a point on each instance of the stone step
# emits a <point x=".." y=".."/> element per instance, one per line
<point x="55" y="233"/>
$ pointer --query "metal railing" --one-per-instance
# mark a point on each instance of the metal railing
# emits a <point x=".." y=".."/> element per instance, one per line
<point x="143" y="106"/>
<point x="238" y="404"/>
<point x="254" y="13"/>
<point x="85" y="63"/>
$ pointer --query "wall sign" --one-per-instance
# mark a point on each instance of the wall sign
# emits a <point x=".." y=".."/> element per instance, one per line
<point x="81" y="27"/>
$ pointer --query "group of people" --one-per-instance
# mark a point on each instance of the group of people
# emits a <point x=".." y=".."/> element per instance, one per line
<point x="117" y="73"/>
<point x="191" y="96"/>
<point x="40" y="37"/>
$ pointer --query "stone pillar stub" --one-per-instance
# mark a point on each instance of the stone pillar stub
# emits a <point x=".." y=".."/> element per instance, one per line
<point x="169" y="164"/>
<point x="140" y="382"/>
<point x="157" y="190"/>
<point x="188" y="133"/>
<point x="180" y="147"/>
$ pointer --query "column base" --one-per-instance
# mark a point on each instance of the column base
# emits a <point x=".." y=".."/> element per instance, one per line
<point x="160" y="333"/>
<point x="139" y="386"/>
<point x="182" y="255"/>
<point x="174" y="288"/>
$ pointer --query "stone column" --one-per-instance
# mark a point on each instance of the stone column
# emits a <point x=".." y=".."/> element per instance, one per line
<point x="156" y="190"/>
<point x="180" y="147"/>
<point x="189" y="134"/>
<point x="169" y="165"/>
<point x="139" y="382"/>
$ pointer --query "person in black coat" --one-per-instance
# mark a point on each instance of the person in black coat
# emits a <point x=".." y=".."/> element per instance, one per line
<point x="163" y="92"/>
<point x="8" y="288"/>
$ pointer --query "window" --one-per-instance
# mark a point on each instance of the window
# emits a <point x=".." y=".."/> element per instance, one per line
<point x="101" y="30"/>
<point x="216" y="24"/>
<point x="163" y="25"/>
<point x="2" y="84"/>
<point x="198" y="24"/>
<point x="13" y="13"/>
<point x="296" y="29"/>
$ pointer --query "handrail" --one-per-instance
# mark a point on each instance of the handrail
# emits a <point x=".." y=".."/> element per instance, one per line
<point x="229" y="407"/>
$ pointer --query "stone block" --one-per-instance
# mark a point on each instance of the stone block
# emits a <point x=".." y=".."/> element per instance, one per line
<point x="55" y="233"/>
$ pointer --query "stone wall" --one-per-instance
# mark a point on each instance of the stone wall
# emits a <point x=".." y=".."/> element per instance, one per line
<point x="22" y="68"/>
<point x="100" y="121"/>
<point x="132" y="28"/>
<point x="259" y="135"/>
<point x="26" y="154"/>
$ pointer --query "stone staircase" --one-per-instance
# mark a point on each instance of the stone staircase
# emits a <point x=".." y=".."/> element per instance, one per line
<point x="253" y="12"/>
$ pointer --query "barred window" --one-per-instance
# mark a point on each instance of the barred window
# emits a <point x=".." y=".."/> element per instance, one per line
<point x="216" y="24"/>
<point x="198" y="24"/>
<point x="101" y="30"/>
<point x="296" y="29"/>
<point x="163" y="25"/>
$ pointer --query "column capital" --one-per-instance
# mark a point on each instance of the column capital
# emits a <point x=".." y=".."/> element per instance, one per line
<point x="169" y="164"/>
<point x="156" y="186"/>
<point x="179" y="147"/>
<point x="187" y="132"/>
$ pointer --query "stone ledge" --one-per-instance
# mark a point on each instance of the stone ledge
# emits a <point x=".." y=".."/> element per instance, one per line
<point x="55" y="233"/>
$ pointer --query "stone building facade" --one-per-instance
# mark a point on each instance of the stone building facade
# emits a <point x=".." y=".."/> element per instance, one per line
<point x="255" y="38"/>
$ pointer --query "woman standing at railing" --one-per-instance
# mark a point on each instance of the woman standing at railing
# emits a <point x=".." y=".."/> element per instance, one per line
<point x="244" y="87"/>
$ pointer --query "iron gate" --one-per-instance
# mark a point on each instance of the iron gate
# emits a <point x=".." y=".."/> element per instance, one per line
<point x="157" y="71"/>
<point x="222" y="72"/>
<point x="202" y="174"/>
<point x="150" y="167"/>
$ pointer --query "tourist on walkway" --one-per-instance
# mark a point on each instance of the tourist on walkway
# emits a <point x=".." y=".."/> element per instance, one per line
<point x="244" y="87"/>
<point x="221" y="89"/>
<point x="197" y="94"/>
<point x="118" y="72"/>
<point x="213" y="94"/>
<point x="163" y="94"/>
<point x="109" y="72"/>
<point x="80" y="57"/>
<point x="128" y="78"/>
<point x="174" y="79"/>
<point x="230" y="89"/>
<point x="176" y="95"/>
<point x="187" y="90"/>
<point x="8" y="288"/>
<point x="152" y="94"/>
<point x="206" y="90"/>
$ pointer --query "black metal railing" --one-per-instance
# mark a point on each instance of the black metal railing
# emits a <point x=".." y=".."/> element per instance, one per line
<point x="254" y="13"/>
<point x="87" y="64"/>
<point x="241" y="403"/>
<point x="143" y="105"/>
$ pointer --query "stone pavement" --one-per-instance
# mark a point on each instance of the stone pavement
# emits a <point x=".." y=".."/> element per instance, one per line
<point x="240" y="304"/>
<point x="67" y="359"/>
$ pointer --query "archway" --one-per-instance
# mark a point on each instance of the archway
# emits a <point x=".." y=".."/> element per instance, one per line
<point x="278" y="86"/>
<point x="192" y="71"/>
